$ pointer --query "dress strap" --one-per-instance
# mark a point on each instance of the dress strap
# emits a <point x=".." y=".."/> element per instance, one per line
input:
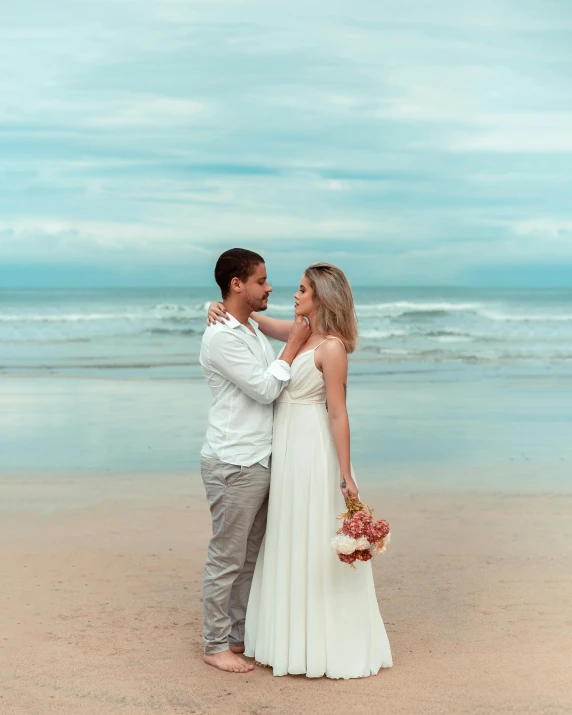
<point x="335" y="337"/>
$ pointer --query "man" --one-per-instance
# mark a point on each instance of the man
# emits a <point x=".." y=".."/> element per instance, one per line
<point x="245" y="379"/>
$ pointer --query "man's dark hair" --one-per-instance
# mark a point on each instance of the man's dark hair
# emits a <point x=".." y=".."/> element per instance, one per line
<point x="236" y="263"/>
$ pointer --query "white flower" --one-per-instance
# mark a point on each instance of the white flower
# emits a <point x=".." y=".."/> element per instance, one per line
<point x="362" y="543"/>
<point x="343" y="544"/>
<point x="381" y="548"/>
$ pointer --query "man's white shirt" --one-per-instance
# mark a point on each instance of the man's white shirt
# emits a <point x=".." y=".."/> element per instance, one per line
<point x="245" y="379"/>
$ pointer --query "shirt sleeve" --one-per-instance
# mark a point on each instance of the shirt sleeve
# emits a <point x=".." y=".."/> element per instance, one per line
<point x="231" y="358"/>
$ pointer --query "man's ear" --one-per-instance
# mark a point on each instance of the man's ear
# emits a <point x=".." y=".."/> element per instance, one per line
<point x="236" y="285"/>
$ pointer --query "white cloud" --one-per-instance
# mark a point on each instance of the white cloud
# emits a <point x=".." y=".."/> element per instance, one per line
<point x="145" y="111"/>
<point x="109" y="113"/>
<point x="545" y="228"/>
<point x="335" y="185"/>
<point x="541" y="132"/>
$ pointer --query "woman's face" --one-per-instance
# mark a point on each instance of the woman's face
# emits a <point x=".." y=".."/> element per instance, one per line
<point x="304" y="298"/>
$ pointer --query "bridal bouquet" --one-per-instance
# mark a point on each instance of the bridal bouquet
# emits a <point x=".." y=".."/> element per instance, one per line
<point x="360" y="538"/>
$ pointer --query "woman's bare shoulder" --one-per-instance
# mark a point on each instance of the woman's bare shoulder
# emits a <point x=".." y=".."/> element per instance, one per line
<point x="332" y="350"/>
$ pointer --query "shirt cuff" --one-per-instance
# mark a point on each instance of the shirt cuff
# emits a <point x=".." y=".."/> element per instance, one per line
<point x="280" y="370"/>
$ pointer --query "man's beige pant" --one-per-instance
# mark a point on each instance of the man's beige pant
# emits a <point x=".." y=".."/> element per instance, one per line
<point x="238" y="500"/>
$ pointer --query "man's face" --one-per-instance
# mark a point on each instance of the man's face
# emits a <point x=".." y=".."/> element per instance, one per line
<point x="257" y="289"/>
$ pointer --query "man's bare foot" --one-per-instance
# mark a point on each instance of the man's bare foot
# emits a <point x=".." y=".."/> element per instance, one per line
<point x="229" y="662"/>
<point x="237" y="649"/>
<point x="261" y="665"/>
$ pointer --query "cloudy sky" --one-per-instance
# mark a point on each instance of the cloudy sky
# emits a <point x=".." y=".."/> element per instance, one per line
<point x="409" y="142"/>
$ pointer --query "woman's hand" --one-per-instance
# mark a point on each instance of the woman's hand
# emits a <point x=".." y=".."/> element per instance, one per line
<point x="348" y="487"/>
<point x="217" y="313"/>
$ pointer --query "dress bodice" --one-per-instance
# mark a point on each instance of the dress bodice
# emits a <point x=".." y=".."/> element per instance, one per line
<point x="306" y="386"/>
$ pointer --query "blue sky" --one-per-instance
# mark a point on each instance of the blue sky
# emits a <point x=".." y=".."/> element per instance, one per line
<point x="408" y="142"/>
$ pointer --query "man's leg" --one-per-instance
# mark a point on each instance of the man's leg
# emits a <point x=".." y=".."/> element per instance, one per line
<point x="234" y="500"/>
<point x="241" y="587"/>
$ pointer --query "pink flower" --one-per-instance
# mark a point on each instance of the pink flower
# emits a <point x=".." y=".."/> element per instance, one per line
<point x="358" y="525"/>
<point x="348" y="558"/>
<point x="364" y="555"/>
<point x="379" y="529"/>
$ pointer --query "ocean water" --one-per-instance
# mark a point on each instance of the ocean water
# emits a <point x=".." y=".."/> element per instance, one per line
<point x="463" y="387"/>
<point x="157" y="331"/>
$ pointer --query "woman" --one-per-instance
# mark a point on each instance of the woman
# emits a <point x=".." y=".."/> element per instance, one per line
<point x="308" y="612"/>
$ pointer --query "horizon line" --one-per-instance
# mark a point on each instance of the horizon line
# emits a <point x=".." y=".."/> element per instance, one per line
<point x="289" y="286"/>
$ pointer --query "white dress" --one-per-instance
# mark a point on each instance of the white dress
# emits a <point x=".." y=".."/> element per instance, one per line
<point x="308" y="612"/>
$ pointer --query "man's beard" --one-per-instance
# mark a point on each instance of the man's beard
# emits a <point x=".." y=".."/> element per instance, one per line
<point x="258" y="306"/>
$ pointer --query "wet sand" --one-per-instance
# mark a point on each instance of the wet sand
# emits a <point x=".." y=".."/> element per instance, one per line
<point x="101" y="605"/>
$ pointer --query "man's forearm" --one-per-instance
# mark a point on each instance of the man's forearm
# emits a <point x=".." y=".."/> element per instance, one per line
<point x="233" y="360"/>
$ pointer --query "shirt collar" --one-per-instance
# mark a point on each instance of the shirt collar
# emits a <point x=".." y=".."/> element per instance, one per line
<point x="232" y="322"/>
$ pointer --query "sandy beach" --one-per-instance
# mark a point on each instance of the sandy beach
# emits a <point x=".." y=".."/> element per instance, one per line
<point x="101" y="605"/>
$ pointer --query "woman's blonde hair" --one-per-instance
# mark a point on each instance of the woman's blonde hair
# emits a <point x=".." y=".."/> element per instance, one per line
<point x="334" y="302"/>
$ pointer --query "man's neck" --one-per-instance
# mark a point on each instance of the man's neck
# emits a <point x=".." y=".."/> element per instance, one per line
<point x="239" y="311"/>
